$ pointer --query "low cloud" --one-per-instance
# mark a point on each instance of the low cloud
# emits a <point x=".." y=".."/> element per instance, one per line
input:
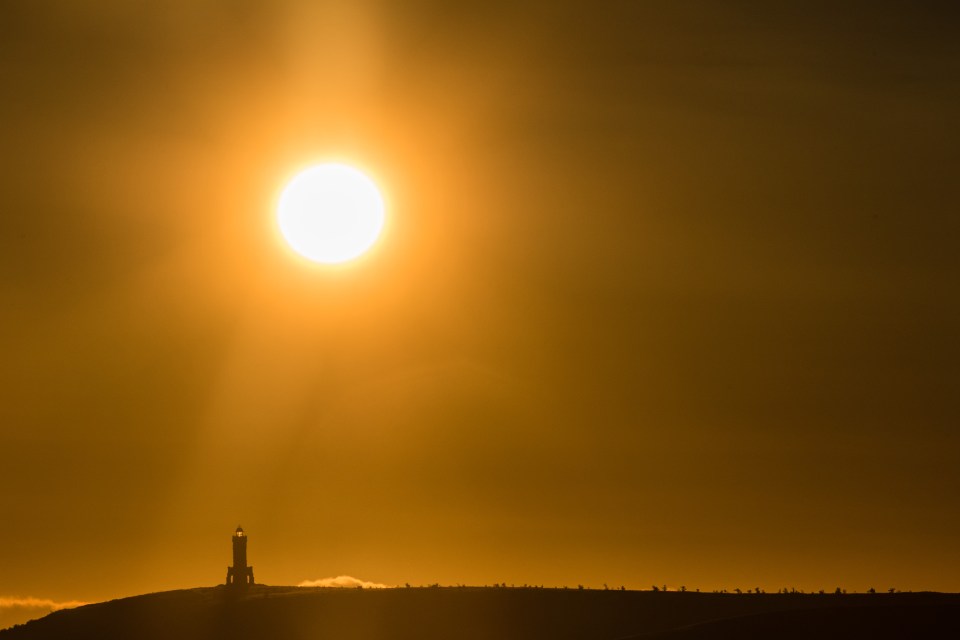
<point x="343" y="581"/>
<point x="16" y="610"/>
<point x="37" y="603"/>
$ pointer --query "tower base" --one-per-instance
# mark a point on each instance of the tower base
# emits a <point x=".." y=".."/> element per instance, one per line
<point x="239" y="576"/>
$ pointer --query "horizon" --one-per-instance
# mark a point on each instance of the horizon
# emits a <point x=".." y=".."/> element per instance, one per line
<point x="649" y="293"/>
<point x="892" y="614"/>
<point x="16" y="611"/>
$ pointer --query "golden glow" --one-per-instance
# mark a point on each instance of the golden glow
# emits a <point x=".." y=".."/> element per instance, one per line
<point x="330" y="213"/>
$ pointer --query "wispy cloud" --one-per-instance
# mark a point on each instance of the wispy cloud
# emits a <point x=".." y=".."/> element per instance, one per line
<point x="37" y="603"/>
<point x="343" y="581"/>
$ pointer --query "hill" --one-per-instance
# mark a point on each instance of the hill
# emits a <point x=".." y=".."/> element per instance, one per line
<point x="918" y="620"/>
<point x="293" y="613"/>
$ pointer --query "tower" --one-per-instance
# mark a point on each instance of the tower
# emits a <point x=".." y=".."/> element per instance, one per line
<point x="239" y="575"/>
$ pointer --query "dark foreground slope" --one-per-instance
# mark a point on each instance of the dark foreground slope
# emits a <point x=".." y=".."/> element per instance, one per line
<point x="830" y="623"/>
<point x="281" y="613"/>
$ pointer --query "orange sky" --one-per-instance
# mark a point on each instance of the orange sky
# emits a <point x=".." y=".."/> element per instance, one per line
<point x="666" y="295"/>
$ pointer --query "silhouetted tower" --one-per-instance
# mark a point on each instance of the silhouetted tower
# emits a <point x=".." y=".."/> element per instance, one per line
<point x="239" y="574"/>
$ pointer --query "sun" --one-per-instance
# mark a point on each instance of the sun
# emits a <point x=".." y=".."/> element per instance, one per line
<point x="330" y="213"/>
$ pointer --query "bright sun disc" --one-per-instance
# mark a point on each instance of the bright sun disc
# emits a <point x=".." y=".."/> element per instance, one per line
<point x="330" y="213"/>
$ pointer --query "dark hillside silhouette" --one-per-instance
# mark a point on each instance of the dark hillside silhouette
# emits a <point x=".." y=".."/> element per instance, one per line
<point x="892" y="621"/>
<point x="428" y="613"/>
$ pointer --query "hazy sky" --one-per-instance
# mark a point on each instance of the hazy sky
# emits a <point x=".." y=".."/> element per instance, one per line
<point x="668" y="295"/>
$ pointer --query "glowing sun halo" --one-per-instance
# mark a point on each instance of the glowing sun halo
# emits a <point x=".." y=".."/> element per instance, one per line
<point x="330" y="213"/>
